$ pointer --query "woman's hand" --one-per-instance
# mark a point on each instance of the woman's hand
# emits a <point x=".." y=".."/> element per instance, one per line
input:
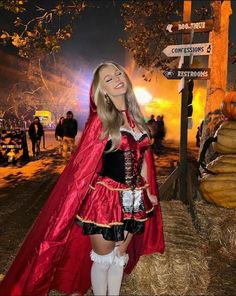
<point x="152" y="198"/>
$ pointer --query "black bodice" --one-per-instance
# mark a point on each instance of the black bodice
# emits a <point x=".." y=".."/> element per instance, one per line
<point x="124" y="164"/>
<point x="113" y="165"/>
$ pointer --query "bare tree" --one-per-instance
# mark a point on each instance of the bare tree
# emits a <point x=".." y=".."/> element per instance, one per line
<point x="58" y="86"/>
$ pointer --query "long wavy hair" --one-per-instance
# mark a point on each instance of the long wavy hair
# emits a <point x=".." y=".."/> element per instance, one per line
<point x="111" y="117"/>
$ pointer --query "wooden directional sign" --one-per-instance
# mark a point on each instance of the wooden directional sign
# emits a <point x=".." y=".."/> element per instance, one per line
<point x="188" y="73"/>
<point x="187" y="27"/>
<point x="188" y="49"/>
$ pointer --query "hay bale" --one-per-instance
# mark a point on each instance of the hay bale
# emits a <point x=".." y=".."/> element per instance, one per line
<point x="181" y="270"/>
<point x="228" y="237"/>
<point x="217" y="225"/>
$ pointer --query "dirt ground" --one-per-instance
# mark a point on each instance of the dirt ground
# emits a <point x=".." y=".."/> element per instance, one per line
<point x="24" y="191"/>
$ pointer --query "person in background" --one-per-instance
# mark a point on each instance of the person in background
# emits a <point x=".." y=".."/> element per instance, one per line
<point x="151" y="120"/>
<point x="198" y="137"/>
<point x="70" y="129"/>
<point x="151" y="124"/>
<point x="24" y="124"/>
<point x="159" y="133"/>
<point x="28" y="123"/>
<point x="59" y="133"/>
<point x="36" y="132"/>
<point x="199" y="134"/>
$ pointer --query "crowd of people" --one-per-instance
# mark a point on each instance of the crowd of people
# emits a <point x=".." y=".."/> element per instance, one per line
<point x="67" y="128"/>
<point x="65" y="133"/>
<point x="10" y="124"/>
<point x="158" y="132"/>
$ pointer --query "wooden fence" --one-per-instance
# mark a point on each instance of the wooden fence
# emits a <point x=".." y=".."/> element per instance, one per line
<point x="170" y="188"/>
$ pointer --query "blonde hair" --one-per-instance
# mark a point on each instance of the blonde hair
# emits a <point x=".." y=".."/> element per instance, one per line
<point x="111" y="117"/>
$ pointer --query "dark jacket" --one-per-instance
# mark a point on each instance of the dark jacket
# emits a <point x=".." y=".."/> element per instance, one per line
<point x="160" y="129"/>
<point x="32" y="132"/>
<point x="70" y="127"/>
<point x="151" y="121"/>
<point x="59" y="130"/>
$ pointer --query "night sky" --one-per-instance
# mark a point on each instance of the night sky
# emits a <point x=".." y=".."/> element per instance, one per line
<point x="96" y="34"/>
<point x="98" y="31"/>
<point x="95" y="39"/>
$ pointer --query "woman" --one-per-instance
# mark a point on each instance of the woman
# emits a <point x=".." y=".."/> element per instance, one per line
<point x="59" y="133"/>
<point x="104" y="189"/>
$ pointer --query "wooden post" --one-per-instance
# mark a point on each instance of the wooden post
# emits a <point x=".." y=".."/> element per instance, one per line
<point x="218" y="62"/>
<point x="184" y="116"/>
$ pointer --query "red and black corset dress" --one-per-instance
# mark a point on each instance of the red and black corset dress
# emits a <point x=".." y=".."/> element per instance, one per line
<point x="118" y="201"/>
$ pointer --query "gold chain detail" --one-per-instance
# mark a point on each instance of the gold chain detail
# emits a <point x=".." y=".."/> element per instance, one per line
<point x="119" y="189"/>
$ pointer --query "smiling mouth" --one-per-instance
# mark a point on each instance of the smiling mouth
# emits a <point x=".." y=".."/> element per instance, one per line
<point x="120" y="85"/>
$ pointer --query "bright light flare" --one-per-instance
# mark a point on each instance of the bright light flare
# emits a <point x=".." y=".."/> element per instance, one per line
<point x="142" y="95"/>
<point x="158" y="106"/>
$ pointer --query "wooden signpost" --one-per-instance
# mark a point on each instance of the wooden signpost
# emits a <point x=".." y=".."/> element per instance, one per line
<point x="188" y="73"/>
<point x="197" y="49"/>
<point x="186" y="27"/>
<point x="186" y="51"/>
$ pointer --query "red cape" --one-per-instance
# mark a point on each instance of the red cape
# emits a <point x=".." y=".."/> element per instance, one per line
<point x="55" y="253"/>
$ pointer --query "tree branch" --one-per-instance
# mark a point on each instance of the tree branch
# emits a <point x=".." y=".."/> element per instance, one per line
<point x="47" y="17"/>
<point x="45" y="83"/>
<point x="32" y="92"/>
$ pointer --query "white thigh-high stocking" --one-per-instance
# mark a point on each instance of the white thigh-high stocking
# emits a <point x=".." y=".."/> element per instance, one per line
<point x="115" y="273"/>
<point x="99" y="272"/>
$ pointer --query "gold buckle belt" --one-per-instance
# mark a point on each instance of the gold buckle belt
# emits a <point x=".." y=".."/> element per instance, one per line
<point x="119" y="189"/>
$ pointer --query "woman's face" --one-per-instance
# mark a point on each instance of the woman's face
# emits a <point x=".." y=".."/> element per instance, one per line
<point x="113" y="81"/>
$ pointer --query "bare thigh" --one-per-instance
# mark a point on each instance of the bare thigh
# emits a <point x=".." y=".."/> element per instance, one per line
<point x="103" y="247"/>
<point x="100" y="245"/>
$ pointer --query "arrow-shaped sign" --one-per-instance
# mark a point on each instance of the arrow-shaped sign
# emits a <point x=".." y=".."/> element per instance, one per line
<point x="189" y="73"/>
<point x="186" y="27"/>
<point x="188" y="49"/>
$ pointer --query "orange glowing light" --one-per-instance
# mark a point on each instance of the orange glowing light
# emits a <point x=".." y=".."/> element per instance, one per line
<point x="165" y="100"/>
<point x="142" y="95"/>
<point x="158" y="105"/>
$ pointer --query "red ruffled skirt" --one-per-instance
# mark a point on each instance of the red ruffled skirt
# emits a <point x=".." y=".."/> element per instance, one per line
<point x="111" y="208"/>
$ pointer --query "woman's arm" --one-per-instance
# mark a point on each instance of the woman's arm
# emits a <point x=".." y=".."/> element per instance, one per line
<point x="152" y="197"/>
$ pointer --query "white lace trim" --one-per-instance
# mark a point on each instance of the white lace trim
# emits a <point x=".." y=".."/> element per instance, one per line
<point x="104" y="259"/>
<point x="120" y="260"/>
<point x="136" y="135"/>
<point x="111" y="258"/>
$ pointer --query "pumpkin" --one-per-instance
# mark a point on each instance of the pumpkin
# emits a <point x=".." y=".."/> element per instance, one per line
<point x="220" y="189"/>
<point x="228" y="106"/>
<point x="226" y="138"/>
